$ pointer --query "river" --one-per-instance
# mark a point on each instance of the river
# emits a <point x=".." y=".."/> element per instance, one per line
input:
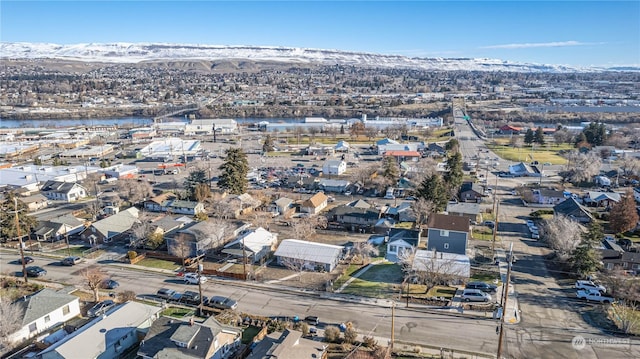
<point x="128" y="121"/>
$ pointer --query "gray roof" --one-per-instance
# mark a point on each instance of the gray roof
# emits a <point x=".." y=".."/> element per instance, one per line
<point x="287" y="345"/>
<point x="118" y="223"/>
<point x="59" y="186"/>
<point x="283" y="202"/>
<point x="183" y="204"/>
<point x="309" y="251"/>
<point x="42" y="303"/>
<point x="466" y="208"/>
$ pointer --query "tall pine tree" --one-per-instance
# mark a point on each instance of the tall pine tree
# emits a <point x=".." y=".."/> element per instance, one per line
<point x="454" y="175"/>
<point x="623" y="215"/>
<point x="433" y="189"/>
<point x="234" y="171"/>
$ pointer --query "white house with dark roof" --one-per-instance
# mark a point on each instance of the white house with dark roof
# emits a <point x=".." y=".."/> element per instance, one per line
<point x="255" y="244"/>
<point x="63" y="191"/>
<point x="43" y="310"/>
<point x="308" y="255"/>
<point x="108" y="336"/>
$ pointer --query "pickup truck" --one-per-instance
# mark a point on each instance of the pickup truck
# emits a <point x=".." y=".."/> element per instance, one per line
<point x="594" y="295"/>
<point x="589" y="285"/>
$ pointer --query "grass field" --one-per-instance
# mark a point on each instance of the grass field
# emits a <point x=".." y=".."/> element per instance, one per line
<point x="177" y="312"/>
<point x="380" y="281"/>
<point x="158" y="263"/>
<point x="542" y="154"/>
<point x="75" y="251"/>
<point x="483" y="234"/>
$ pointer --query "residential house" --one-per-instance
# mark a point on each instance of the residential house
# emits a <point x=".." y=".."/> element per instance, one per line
<point x="256" y="244"/>
<point x="35" y="202"/>
<point x="400" y="213"/>
<point x="468" y="210"/>
<point x="355" y="216"/>
<point x="458" y="266"/>
<point x="59" y="227"/>
<point x="601" y="199"/>
<point x="200" y="237"/>
<point x="447" y="233"/>
<point x="288" y="344"/>
<point x="107" y="337"/>
<point x="63" y="191"/>
<point x="243" y="203"/>
<point x="404" y="155"/>
<point x="43" y="310"/>
<point x="401" y="241"/>
<point x="334" y="167"/>
<point x="159" y="203"/>
<point x="547" y="196"/>
<point x="283" y="206"/>
<point x="190" y="208"/>
<point x="306" y="255"/>
<point x="471" y="192"/>
<point x="574" y="210"/>
<point x="110" y="228"/>
<point x="342" y="146"/>
<point x="333" y="185"/>
<point x="315" y="204"/>
<point x="174" y="338"/>
<point x="435" y="150"/>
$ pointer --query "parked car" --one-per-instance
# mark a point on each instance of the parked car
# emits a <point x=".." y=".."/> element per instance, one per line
<point x="100" y="308"/>
<point x="222" y="303"/>
<point x="535" y="235"/>
<point x="36" y="271"/>
<point x="194" y="278"/>
<point x="70" y="261"/>
<point x="165" y="293"/>
<point x="190" y="297"/>
<point x="483" y="286"/>
<point x="312" y="319"/>
<point x="489" y="224"/>
<point x="475" y="295"/>
<point x="589" y="285"/>
<point x="110" y="284"/>
<point x="27" y="260"/>
<point x="594" y="295"/>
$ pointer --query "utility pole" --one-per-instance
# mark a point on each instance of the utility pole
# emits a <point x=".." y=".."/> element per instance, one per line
<point x="24" y="265"/>
<point x="393" y="324"/>
<point x="496" y="207"/>
<point x="244" y="259"/>
<point x="505" y="296"/>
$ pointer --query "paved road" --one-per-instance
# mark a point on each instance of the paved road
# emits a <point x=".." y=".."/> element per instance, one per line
<point x="411" y="326"/>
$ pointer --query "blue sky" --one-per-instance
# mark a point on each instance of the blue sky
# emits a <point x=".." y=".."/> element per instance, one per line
<point x="583" y="33"/>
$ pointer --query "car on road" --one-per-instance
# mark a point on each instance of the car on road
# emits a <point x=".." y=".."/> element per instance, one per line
<point x="100" y="308"/>
<point x="590" y="285"/>
<point x="110" y="284"/>
<point x="348" y="193"/>
<point x="70" y="261"/>
<point x="35" y="271"/>
<point x="483" y="286"/>
<point x="194" y="278"/>
<point x="27" y="260"/>
<point x="190" y="297"/>
<point x="475" y="295"/>
<point x="222" y="303"/>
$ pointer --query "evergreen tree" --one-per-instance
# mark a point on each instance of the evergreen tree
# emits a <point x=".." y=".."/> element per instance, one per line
<point x="8" y="218"/>
<point x="433" y="189"/>
<point x="529" y="137"/>
<point x="623" y="215"/>
<point x="585" y="259"/>
<point x="234" y="171"/>
<point x="454" y="175"/>
<point x="581" y="140"/>
<point x="196" y="177"/>
<point x="452" y="145"/>
<point x="595" y="133"/>
<point x="539" y="136"/>
<point x="268" y="146"/>
<point x="390" y="170"/>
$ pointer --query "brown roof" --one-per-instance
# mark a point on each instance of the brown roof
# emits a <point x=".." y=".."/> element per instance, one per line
<point x="163" y="197"/>
<point x="448" y="222"/>
<point x="316" y="200"/>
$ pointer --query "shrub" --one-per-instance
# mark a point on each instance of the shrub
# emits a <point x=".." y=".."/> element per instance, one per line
<point x="369" y="342"/>
<point x="331" y="334"/>
<point x="126" y="296"/>
<point x="350" y="335"/>
<point x="132" y="254"/>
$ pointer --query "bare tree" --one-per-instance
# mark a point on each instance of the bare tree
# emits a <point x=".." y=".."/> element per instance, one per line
<point x="581" y="166"/>
<point x="626" y="316"/>
<point x="220" y="207"/>
<point x="94" y="278"/>
<point x="421" y="210"/>
<point x="364" y="251"/>
<point x="297" y="265"/>
<point x="313" y="131"/>
<point x="182" y="245"/>
<point x="133" y="190"/>
<point x="202" y="191"/>
<point x="561" y="234"/>
<point x="630" y="165"/>
<point x="431" y="270"/>
<point x="305" y="228"/>
<point x="9" y="321"/>
<point x="140" y="230"/>
<point x="91" y="182"/>
<point x="364" y="174"/>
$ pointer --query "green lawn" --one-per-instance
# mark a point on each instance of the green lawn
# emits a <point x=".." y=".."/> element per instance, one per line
<point x="177" y="312"/>
<point x="380" y="281"/>
<point x="484" y="276"/>
<point x="158" y="263"/>
<point x="442" y="291"/>
<point x="350" y="271"/>
<point x="249" y="333"/>
<point x="483" y="234"/>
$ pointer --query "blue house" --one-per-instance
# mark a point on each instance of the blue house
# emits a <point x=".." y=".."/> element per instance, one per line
<point x="448" y="234"/>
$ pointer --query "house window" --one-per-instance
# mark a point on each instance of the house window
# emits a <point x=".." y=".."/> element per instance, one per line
<point x="47" y="319"/>
<point x="444" y="233"/>
<point x="393" y="249"/>
<point x="446" y="246"/>
<point x="624" y="265"/>
<point x="634" y="266"/>
<point x="33" y="327"/>
<point x="65" y="310"/>
<point x="609" y="266"/>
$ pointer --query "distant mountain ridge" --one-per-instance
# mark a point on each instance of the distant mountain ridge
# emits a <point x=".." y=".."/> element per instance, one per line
<point x="143" y="52"/>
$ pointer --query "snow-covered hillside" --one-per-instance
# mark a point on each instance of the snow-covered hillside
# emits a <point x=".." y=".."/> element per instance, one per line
<point x="138" y="52"/>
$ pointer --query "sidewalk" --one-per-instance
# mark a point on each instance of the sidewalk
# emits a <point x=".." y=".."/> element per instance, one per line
<point x="512" y="308"/>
